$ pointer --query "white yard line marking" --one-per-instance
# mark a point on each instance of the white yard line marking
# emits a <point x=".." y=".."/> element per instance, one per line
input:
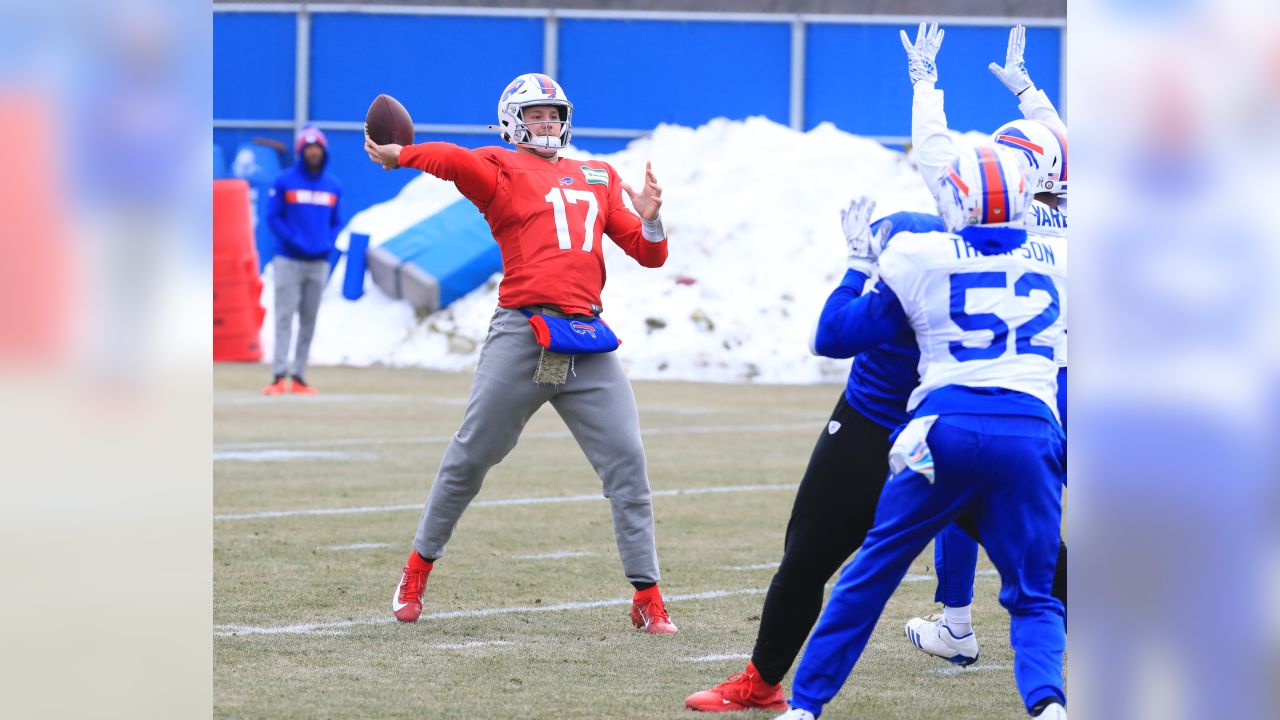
<point x="499" y="503"/>
<point x="277" y="455"/>
<point x="543" y="435"/>
<point x="312" y="628"/>
<point x="716" y="658"/>
<point x="761" y="566"/>
<point x="555" y="555"/>
<point x="356" y="546"/>
<point x="469" y="645"/>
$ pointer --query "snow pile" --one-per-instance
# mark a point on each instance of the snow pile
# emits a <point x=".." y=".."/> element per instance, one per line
<point x="752" y="210"/>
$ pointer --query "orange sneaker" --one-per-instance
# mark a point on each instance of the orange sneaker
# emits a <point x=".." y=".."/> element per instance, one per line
<point x="649" y="614"/>
<point x="297" y="387"/>
<point x="742" y="691"/>
<point x="277" y="387"/>
<point x="406" y="603"/>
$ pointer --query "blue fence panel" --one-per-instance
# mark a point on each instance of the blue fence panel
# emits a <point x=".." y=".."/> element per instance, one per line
<point x="253" y="70"/>
<point x="857" y="76"/>
<point x="636" y="74"/>
<point x="442" y="69"/>
<point x="229" y="140"/>
<point x="601" y="146"/>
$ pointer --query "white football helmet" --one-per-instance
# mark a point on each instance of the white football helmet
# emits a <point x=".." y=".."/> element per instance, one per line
<point x="984" y="185"/>
<point x="527" y="90"/>
<point x="1044" y="149"/>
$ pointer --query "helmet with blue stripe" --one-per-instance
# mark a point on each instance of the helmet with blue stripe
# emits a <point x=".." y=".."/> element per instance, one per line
<point x="1044" y="150"/>
<point x="985" y="184"/>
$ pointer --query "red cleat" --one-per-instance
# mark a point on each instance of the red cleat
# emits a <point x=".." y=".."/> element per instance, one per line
<point x="742" y="691"/>
<point x="275" y="388"/>
<point x="649" y="614"/>
<point x="297" y="387"/>
<point x="406" y="603"/>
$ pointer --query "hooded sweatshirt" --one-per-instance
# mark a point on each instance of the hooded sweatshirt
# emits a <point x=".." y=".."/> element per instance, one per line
<point x="302" y="209"/>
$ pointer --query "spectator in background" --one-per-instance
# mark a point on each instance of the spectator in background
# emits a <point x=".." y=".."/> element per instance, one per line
<point x="302" y="211"/>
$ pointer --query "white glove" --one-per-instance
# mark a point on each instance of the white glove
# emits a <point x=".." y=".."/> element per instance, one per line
<point x="864" y="247"/>
<point x="920" y="55"/>
<point x="1014" y="73"/>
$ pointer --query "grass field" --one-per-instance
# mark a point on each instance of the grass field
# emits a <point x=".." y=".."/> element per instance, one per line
<point x="527" y="615"/>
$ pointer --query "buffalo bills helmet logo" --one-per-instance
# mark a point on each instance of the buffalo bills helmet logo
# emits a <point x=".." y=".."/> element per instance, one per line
<point x="566" y="180"/>
<point x="515" y="85"/>
<point x="582" y="328"/>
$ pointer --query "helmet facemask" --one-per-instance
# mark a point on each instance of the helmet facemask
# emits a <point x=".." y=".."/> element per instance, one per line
<point x="523" y="135"/>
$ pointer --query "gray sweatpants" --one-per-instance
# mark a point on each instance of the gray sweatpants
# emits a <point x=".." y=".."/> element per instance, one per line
<point x="598" y="406"/>
<point x="299" y="284"/>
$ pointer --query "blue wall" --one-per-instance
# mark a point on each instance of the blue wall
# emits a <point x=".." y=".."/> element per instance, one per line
<point x="623" y="74"/>
<point x="253" y="66"/>
<point x="857" y="76"/>
<point x="637" y="74"/>
<point x="438" y="67"/>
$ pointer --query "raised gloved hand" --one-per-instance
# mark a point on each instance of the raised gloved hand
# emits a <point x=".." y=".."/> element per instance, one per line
<point x="864" y="246"/>
<point x="921" y="53"/>
<point x="1014" y="72"/>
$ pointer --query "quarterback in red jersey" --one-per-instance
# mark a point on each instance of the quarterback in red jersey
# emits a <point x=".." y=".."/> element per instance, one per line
<point x="548" y="214"/>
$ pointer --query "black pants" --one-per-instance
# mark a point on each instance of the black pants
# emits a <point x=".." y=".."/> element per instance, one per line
<point x="834" y="508"/>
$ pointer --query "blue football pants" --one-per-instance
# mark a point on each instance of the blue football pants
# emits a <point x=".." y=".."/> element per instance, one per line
<point x="955" y="554"/>
<point x="1007" y="471"/>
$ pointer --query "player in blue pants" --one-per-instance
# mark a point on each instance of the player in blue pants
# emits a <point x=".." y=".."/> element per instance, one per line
<point x="987" y="306"/>
<point x="1040" y="137"/>
<point x="950" y="635"/>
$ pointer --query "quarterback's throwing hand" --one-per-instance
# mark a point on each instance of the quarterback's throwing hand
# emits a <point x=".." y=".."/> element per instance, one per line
<point x="388" y="156"/>
<point x="648" y="201"/>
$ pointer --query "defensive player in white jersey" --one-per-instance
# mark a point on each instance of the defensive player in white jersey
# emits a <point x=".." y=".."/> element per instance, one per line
<point x="987" y="305"/>
<point x="1040" y="139"/>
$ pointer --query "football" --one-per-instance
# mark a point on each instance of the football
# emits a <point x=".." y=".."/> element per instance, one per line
<point x="388" y="122"/>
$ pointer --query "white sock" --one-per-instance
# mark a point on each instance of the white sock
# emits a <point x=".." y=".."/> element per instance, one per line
<point x="959" y="619"/>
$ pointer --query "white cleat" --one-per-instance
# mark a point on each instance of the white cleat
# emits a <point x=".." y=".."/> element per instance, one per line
<point x="1053" y="711"/>
<point x="931" y="634"/>
<point x="796" y="714"/>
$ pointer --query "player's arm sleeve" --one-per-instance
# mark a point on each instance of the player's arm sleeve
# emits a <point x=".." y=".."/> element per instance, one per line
<point x="1035" y="105"/>
<point x="852" y="322"/>
<point x="931" y="143"/>
<point x="275" y="214"/>
<point x="626" y="230"/>
<point x="475" y="174"/>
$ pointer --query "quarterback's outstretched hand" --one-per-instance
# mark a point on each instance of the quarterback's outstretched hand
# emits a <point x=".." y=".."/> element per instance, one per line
<point x="864" y="247"/>
<point x="921" y="53"/>
<point x="388" y="156"/>
<point x="648" y="201"/>
<point x="1014" y="72"/>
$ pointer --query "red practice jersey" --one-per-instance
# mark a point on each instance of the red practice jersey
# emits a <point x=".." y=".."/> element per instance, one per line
<point x="548" y="219"/>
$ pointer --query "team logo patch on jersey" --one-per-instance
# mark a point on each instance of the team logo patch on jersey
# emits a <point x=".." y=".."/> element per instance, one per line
<point x="833" y="427"/>
<point x="566" y="181"/>
<point x="582" y="328"/>
<point x="595" y="176"/>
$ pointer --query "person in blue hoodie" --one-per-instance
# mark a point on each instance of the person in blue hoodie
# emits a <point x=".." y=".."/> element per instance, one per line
<point x="302" y="211"/>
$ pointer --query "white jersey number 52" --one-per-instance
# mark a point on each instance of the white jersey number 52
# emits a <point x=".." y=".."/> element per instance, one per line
<point x="962" y="283"/>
